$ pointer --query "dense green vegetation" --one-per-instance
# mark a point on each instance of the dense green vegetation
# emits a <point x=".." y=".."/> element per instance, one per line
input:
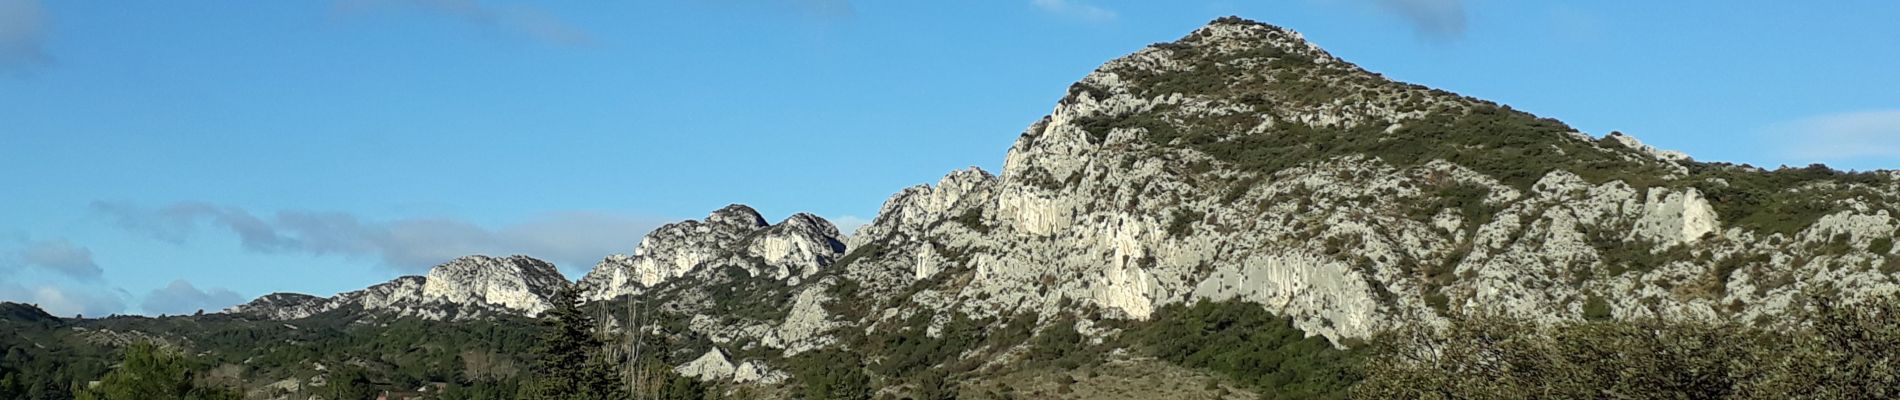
<point x="36" y="368"/>
<point x="47" y="357"/>
<point x="1784" y="200"/>
<point x="1833" y="351"/>
<point x="148" y="372"/>
<point x="1246" y="343"/>
<point x="1839" y="352"/>
<point x="831" y="374"/>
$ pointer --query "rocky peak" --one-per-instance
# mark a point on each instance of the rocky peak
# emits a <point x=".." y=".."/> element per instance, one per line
<point x="1243" y="162"/>
<point x="797" y="247"/>
<point x="518" y="283"/>
<point x="461" y="288"/>
<point x="738" y="216"/>
<point x="282" y="306"/>
<point x="794" y="248"/>
<point x="914" y="207"/>
<point x="1235" y="34"/>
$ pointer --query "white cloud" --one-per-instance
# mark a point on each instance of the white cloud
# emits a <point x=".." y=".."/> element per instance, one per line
<point x="181" y="297"/>
<point x="575" y="239"/>
<point x="64" y="302"/>
<point x="1075" y="9"/>
<point x="22" y="34"/>
<point x="521" y="19"/>
<point x="1841" y="137"/>
<point x="61" y="256"/>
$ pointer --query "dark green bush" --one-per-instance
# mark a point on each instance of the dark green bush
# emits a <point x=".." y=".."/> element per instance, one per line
<point x="831" y="374"/>
<point x="1838" y="352"/>
<point x="1246" y="343"/>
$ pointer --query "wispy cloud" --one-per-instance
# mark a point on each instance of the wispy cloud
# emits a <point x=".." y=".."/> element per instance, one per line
<point x="1841" y="137"/>
<point x="181" y="297"/>
<point x="64" y="302"/>
<point x="1075" y="9"/>
<point x="59" y="256"/>
<point x="22" y="34"/>
<point x="1433" y="19"/>
<point x="520" y="19"/>
<point x="576" y="239"/>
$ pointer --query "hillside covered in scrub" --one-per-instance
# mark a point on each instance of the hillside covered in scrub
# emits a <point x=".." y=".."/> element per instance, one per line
<point x="1235" y="214"/>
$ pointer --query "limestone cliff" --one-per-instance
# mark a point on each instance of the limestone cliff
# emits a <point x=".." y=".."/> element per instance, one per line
<point x="462" y="288"/>
<point x="732" y="236"/>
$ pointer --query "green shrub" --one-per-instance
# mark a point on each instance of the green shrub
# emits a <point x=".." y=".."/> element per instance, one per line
<point x="1183" y="220"/>
<point x="1244" y="342"/>
<point x="1837" y="352"/>
<point x="1595" y="308"/>
<point x="1880" y="246"/>
<point x="831" y="374"/>
<point x="973" y="219"/>
<point x="1438" y="301"/>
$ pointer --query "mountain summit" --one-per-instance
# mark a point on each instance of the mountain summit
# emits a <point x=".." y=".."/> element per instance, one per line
<point x="1240" y="165"/>
<point x="735" y="236"/>
<point x="1243" y="163"/>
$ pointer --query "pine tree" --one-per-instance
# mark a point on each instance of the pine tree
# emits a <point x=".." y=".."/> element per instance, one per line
<point x="151" y="373"/>
<point x="566" y="367"/>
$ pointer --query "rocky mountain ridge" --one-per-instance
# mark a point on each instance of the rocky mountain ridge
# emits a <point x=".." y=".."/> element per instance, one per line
<point x="466" y="287"/>
<point x="1244" y="163"/>
<point x="735" y="235"/>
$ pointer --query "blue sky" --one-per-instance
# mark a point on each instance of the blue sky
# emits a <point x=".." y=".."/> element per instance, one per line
<point x="163" y="157"/>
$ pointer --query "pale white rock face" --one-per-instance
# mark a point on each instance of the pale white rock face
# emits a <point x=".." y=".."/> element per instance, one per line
<point x="926" y="263"/>
<point x="735" y="236"/>
<point x="1860" y="229"/>
<point x="804" y="324"/>
<point x="283" y="306"/>
<point x="516" y="283"/>
<point x="671" y="251"/>
<point x="711" y="366"/>
<point x="1631" y="142"/>
<point x="749" y="372"/>
<point x="797" y="247"/>
<point x="398" y="293"/>
<point x="1676" y="217"/>
<point x="910" y="210"/>
<point x="473" y="285"/>
<point x="715" y="366"/>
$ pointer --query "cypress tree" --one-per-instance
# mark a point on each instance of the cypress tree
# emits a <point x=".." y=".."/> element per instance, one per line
<point x="565" y="367"/>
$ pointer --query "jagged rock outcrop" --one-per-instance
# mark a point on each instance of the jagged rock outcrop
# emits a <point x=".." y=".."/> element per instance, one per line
<point x="465" y="287"/>
<point x="797" y="247"/>
<point x="711" y="366"/>
<point x="732" y="236"/>
<point x="283" y="306"/>
<point x="714" y="366"/>
<point x="516" y="283"/>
